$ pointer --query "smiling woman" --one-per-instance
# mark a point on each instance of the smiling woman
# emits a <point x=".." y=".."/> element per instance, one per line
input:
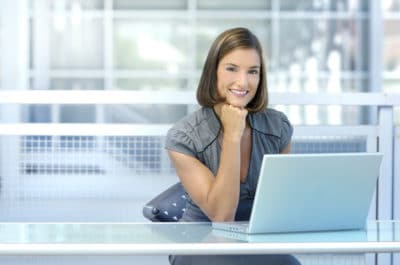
<point x="217" y="150"/>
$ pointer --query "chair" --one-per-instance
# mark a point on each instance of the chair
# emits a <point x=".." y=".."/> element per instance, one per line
<point x="168" y="206"/>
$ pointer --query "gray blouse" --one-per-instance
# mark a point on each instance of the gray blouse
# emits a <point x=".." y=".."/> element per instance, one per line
<point x="196" y="135"/>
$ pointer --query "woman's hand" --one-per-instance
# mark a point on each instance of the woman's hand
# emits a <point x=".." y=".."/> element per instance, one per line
<point x="233" y="121"/>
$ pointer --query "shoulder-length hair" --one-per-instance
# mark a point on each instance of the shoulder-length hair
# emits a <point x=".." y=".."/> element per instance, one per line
<point x="227" y="41"/>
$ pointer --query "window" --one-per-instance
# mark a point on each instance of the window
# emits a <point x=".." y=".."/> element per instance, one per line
<point x="309" y="46"/>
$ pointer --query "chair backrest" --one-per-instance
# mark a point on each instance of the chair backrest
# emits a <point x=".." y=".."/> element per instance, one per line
<point x="168" y="206"/>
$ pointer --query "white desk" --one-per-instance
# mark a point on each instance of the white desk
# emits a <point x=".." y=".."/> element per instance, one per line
<point x="185" y="238"/>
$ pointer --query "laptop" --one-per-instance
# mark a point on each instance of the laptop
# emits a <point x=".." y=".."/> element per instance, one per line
<point x="300" y="237"/>
<point x="311" y="192"/>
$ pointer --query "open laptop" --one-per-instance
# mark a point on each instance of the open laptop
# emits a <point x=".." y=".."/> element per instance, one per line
<point x="311" y="192"/>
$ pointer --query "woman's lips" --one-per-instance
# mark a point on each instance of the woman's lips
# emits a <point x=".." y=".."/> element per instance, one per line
<point x="239" y="92"/>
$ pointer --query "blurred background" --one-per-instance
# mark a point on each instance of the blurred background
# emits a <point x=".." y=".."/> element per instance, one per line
<point x="78" y="173"/>
<point x="310" y="46"/>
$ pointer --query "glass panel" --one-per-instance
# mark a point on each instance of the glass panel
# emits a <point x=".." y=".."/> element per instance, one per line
<point x="36" y="113"/>
<point x="144" y="113"/>
<point x="208" y="30"/>
<point x="327" y="45"/>
<point x="1" y="55"/>
<point x="328" y="144"/>
<point x="76" y="5"/>
<point x="391" y="5"/>
<point x="151" y="44"/>
<point x="234" y="4"/>
<point x="78" y="113"/>
<point x="318" y="5"/>
<point x="312" y="115"/>
<point x="31" y="45"/>
<point x="153" y="4"/>
<point x="312" y="83"/>
<point x="391" y="42"/>
<point x="151" y="84"/>
<point x="76" y="42"/>
<point x="2" y="63"/>
<point x="76" y="84"/>
<point x="393" y="86"/>
<point x="324" y="115"/>
<point x="195" y="81"/>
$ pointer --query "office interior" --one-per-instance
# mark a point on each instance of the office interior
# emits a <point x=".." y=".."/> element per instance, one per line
<point x="89" y="88"/>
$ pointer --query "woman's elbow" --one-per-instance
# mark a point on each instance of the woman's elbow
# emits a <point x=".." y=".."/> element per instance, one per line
<point x="222" y="217"/>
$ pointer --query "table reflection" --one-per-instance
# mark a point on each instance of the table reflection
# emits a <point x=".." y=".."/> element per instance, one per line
<point x="150" y="233"/>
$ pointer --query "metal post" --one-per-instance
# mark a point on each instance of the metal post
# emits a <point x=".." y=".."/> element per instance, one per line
<point x="375" y="52"/>
<point x="385" y="183"/>
<point x="396" y="185"/>
<point x="14" y="76"/>
<point x="375" y="85"/>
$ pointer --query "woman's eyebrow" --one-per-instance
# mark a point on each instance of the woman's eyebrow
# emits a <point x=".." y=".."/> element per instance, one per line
<point x="231" y="64"/>
<point x="251" y="67"/>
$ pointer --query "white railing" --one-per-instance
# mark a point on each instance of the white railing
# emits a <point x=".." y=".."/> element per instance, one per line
<point x="379" y="137"/>
<point x="185" y="97"/>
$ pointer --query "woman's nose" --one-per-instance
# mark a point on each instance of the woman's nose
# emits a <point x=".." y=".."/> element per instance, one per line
<point x="242" y="80"/>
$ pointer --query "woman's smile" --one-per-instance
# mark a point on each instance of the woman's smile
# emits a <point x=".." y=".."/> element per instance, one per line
<point x="239" y="93"/>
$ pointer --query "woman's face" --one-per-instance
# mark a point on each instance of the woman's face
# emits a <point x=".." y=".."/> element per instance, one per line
<point x="238" y="75"/>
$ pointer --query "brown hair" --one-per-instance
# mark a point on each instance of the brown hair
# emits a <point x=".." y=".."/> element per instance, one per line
<point x="227" y="41"/>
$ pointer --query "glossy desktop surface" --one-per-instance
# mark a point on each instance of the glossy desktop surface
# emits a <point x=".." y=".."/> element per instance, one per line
<point x="185" y="238"/>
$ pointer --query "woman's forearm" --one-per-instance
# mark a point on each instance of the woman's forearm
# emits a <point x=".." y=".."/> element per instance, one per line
<point x="223" y="196"/>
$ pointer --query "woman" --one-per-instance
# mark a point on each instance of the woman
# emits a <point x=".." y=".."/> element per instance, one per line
<point x="217" y="150"/>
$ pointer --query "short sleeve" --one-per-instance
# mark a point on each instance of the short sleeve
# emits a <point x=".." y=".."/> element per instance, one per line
<point x="180" y="142"/>
<point x="286" y="133"/>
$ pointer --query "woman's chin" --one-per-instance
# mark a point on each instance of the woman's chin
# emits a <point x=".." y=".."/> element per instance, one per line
<point x="236" y="103"/>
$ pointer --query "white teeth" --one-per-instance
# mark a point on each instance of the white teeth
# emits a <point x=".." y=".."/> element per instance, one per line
<point x="239" y="92"/>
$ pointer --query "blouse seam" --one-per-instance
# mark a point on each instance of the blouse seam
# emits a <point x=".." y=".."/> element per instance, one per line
<point x="270" y="134"/>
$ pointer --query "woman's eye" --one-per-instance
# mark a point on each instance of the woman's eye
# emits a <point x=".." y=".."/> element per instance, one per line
<point x="253" y="72"/>
<point x="231" y="69"/>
